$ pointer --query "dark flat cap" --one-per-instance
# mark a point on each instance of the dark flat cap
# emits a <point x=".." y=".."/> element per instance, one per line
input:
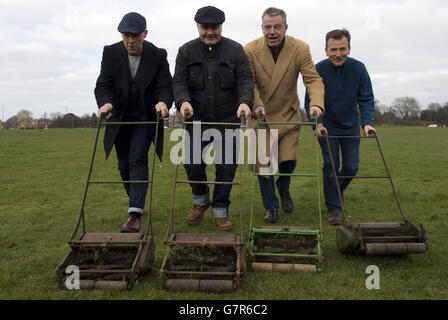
<point x="132" y="22"/>
<point x="209" y="15"/>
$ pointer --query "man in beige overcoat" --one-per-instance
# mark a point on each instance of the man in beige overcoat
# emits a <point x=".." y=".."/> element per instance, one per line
<point x="276" y="61"/>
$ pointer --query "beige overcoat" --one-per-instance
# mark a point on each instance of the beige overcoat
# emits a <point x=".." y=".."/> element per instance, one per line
<point x="276" y="88"/>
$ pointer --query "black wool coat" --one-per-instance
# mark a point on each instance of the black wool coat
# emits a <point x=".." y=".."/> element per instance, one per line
<point x="112" y="86"/>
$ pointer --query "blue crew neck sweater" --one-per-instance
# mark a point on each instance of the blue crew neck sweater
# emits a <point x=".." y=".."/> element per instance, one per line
<point x="346" y="87"/>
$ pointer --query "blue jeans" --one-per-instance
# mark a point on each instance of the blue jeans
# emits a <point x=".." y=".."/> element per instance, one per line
<point x="267" y="187"/>
<point x="348" y="150"/>
<point x="132" y="146"/>
<point x="225" y="171"/>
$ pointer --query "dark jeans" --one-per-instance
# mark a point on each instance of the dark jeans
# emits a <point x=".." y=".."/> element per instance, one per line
<point x="348" y="150"/>
<point x="225" y="166"/>
<point x="132" y="146"/>
<point x="267" y="187"/>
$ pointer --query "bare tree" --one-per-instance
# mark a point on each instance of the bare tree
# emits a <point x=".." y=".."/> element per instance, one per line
<point x="93" y="120"/>
<point x="11" y="123"/>
<point x="89" y="121"/>
<point x="442" y="115"/>
<point x="24" y="119"/>
<point x="389" y="117"/>
<point x="380" y="109"/>
<point x="434" y="106"/>
<point x="380" y="106"/>
<point x="55" y="115"/>
<point x="43" y="121"/>
<point x="406" y="108"/>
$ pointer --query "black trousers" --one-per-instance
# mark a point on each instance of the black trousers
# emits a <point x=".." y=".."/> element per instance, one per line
<point x="132" y="146"/>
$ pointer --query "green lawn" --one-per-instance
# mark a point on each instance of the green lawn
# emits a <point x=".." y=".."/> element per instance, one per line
<point x="42" y="179"/>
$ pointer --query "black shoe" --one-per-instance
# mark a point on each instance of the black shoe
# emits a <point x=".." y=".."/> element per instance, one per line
<point x="271" y="216"/>
<point x="287" y="204"/>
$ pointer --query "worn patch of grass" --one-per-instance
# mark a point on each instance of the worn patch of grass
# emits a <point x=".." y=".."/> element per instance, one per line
<point x="42" y="180"/>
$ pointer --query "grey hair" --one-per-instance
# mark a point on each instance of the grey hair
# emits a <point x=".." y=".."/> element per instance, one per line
<point x="271" y="11"/>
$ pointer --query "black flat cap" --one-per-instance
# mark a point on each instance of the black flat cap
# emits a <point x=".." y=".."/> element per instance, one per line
<point x="132" y="22"/>
<point x="209" y="15"/>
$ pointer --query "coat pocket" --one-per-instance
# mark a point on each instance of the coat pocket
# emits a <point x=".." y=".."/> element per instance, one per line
<point x="227" y="76"/>
<point x="196" y="76"/>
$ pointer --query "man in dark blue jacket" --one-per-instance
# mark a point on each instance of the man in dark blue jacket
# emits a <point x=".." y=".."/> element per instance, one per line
<point x="133" y="86"/>
<point x="348" y="94"/>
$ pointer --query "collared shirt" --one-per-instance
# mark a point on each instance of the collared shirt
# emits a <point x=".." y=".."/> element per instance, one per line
<point x="276" y="53"/>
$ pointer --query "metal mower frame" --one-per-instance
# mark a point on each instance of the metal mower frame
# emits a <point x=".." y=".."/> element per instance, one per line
<point x="109" y="260"/>
<point x="383" y="238"/>
<point x="286" y="248"/>
<point x="203" y="272"/>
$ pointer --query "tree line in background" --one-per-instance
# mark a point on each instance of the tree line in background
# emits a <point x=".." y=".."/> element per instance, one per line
<point x="402" y="111"/>
<point x="406" y="110"/>
<point x="24" y="120"/>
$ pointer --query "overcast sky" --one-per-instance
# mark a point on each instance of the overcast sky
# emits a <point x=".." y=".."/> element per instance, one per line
<point x="51" y="49"/>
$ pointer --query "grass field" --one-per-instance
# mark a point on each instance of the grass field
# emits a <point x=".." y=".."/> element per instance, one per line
<point x="43" y="174"/>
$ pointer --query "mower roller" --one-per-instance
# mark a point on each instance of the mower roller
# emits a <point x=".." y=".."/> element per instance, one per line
<point x="376" y="238"/>
<point x="109" y="260"/>
<point x="198" y="261"/>
<point x="286" y="248"/>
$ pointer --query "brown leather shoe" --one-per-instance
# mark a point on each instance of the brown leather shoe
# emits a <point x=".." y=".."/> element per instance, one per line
<point x="197" y="213"/>
<point x="334" y="218"/>
<point x="223" y="224"/>
<point x="132" y="225"/>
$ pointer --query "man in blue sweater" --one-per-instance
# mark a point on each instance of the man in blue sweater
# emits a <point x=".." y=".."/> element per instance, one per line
<point x="348" y="95"/>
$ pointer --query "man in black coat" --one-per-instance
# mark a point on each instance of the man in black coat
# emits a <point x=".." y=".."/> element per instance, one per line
<point x="212" y="83"/>
<point x="133" y="86"/>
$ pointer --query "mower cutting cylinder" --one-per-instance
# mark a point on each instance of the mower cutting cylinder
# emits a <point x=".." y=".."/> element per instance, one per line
<point x="381" y="238"/>
<point x="283" y="267"/>
<point x="92" y="284"/>
<point x="200" y="285"/>
<point x="395" y="248"/>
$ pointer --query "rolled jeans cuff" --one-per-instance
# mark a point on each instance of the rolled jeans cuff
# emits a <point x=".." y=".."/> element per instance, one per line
<point x="135" y="209"/>
<point x="219" y="212"/>
<point x="201" y="200"/>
